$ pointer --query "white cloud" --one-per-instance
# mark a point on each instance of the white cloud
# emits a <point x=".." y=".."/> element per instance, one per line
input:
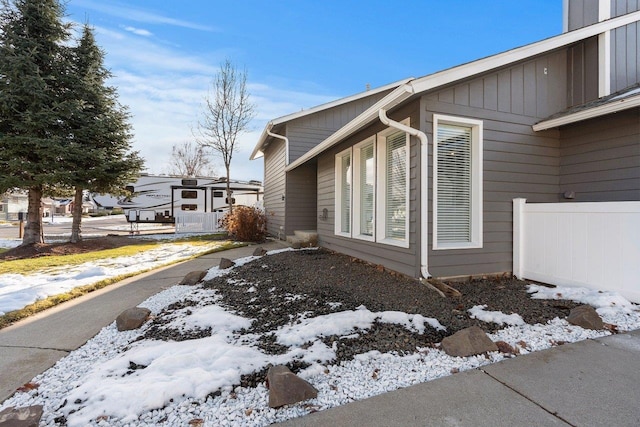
<point x="139" y="31"/>
<point x="133" y="14"/>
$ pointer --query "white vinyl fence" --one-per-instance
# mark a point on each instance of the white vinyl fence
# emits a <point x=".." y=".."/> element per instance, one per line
<point x="595" y="245"/>
<point x="198" y="222"/>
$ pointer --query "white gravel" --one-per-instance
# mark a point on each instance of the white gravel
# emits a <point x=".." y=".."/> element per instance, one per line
<point x="94" y="386"/>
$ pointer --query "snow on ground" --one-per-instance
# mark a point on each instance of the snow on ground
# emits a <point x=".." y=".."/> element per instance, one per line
<point x="117" y="380"/>
<point x="19" y="290"/>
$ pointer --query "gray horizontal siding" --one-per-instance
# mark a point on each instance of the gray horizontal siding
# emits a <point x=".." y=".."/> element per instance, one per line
<point x="403" y="260"/>
<point x="601" y="158"/>
<point x="301" y="200"/>
<point x="274" y="187"/>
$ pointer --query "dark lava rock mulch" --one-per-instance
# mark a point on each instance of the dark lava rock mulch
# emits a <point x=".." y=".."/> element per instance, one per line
<point x="277" y="289"/>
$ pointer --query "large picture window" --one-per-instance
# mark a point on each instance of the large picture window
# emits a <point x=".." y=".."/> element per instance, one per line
<point x="457" y="186"/>
<point x="372" y="189"/>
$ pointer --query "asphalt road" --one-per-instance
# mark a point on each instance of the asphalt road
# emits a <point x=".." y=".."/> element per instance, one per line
<point x="115" y="224"/>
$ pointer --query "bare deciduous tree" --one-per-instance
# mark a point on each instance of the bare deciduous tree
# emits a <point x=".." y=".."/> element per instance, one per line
<point x="227" y="113"/>
<point x="188" y="159"/>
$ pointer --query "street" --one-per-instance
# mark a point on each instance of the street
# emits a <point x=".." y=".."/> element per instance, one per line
<point x="99" y="226"/>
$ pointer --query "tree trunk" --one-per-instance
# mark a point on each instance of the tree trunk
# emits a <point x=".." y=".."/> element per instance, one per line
<point x="76" y="233"/>
<point x="33" y="231"/>
<point x="229" y="199"/>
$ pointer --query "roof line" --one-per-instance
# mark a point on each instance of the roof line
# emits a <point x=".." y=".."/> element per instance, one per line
<point x="460" y="72"/>
<point x="317" y="108"/>
<point x="601" y="110"/>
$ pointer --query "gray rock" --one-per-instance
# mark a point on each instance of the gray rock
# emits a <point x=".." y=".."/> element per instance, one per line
<point x="226" y="263"/>
<point x="586" y="317"/>
<point x="21" y="417"/>
<point x="193" y="278"/>
<point x="132" y="318"/>
<point x="468" y="342"/>
<point x="286" y="388"/>
<point x="260" y="251"/>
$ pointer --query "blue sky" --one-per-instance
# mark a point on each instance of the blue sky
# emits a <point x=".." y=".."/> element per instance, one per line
<point x="298" y="54"/>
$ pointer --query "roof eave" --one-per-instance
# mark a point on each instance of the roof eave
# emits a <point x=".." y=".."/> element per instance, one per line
<point x="601" y="110"/>
<point x="283" y="119"/>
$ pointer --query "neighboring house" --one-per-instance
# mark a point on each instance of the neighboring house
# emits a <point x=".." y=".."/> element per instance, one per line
<point x="290" y="196"/>
<point x="423" y="181"/>
<point x="12" y="203"/>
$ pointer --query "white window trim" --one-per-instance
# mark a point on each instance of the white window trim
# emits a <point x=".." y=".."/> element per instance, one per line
<point x="381" y="187"/>
<point x="476" y="178"/>
<point x="356" y="191"/>
<point x="338" y="197"/>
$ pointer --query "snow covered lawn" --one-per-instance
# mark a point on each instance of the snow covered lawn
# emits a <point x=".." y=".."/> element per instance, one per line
<point x="20" y="290"/>
<point x="117" y="379"/>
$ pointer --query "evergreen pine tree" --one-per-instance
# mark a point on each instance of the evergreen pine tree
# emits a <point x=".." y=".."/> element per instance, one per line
<point x="98" y="153"/>
<point x="33" y="106"/>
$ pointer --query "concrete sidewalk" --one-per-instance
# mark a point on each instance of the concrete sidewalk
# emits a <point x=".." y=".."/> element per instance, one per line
<point x="588" y="383"/>
<point x="33" y="345"/>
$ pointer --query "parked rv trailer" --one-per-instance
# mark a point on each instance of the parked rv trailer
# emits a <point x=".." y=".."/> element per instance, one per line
<point x="159" y="198"/>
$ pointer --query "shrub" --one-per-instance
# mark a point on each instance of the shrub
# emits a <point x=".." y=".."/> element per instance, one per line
<point x="245" y="223"/>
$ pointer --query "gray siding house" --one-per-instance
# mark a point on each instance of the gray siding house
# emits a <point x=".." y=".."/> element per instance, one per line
<point x="422" y="180"/>
<point x="290" y="195"/>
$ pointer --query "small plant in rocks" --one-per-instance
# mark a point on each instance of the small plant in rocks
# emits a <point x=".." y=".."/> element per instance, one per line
<point x="245" y="223"/>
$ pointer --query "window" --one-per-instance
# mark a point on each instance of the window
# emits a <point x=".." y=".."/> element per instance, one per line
<point x="218" y="194"/>
<point x="457" y="186"/>
<point x="189" y="194"/>
<point x="372" y="189"/>
<point x="364" y="190"/>
<point x="393" y="208"/>
<point x="189" y="207"/>
<point x="343" y="193"/>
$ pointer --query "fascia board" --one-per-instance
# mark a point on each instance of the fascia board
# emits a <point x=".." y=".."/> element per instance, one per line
<point x="591" y="113"/>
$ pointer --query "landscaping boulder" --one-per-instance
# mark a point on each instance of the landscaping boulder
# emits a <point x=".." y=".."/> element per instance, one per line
<point x="286" y="388"/>
<point x="21" y="417"/>
<point x="226" y="263"/>
<point x="132" y="318"/>
<point x="586" y="317"/>
<point x="193" y="278"/>
<point x="468" y="342"/>
<point x="260" y="251"/>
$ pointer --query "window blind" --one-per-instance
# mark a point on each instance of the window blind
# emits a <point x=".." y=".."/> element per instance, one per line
<point x="345" y="204"/>
<point x="367" y="188"/>
<point x="396" y="186"/>
<point x="454" y="183"/>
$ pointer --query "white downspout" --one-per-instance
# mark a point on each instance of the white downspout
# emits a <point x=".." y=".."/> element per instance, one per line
<point x="424" y="189"/>
<point x="286" y="143"/>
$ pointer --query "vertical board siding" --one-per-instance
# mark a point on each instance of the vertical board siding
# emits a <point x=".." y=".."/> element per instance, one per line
<point x="274" y="187"/>
<point x="306" y="132"/>
<point x="601" y="159"/>
<point x="582" y="63"/>
<point x="625" y="61"/>
<point x="301" y="198"/>
<point x="403" y="260"/>
<point x="582" y="13"/>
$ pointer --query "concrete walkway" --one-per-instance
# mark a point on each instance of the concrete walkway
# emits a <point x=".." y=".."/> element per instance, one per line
<point x="33" y="345"/>
<point x="589" y="383"/>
